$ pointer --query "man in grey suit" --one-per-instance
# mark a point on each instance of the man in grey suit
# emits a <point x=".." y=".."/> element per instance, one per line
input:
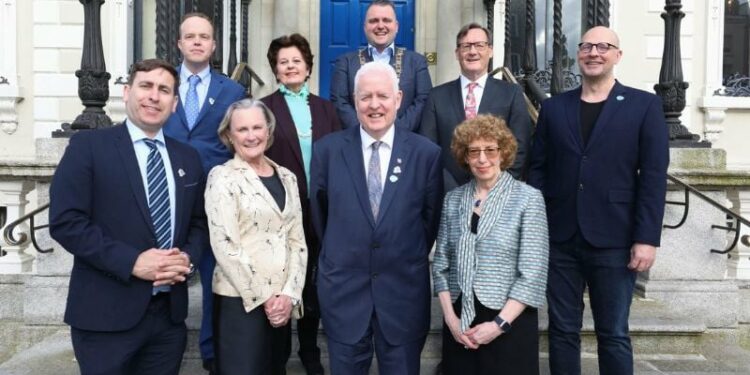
<point x="474" y="92"/>
<point x="381" y="27"/>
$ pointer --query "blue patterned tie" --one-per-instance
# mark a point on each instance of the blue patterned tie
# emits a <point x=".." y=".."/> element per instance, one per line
<point x="374" y="187"/>
<point x="191" y="102"/>
<point x="158" y="196"/>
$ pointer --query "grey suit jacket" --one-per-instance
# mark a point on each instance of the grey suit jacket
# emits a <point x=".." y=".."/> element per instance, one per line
<point x="511" y="253"/>
<point x="444" y="110"/>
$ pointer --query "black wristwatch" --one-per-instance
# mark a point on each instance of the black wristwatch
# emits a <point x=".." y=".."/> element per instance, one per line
<point x="503" y="324"/>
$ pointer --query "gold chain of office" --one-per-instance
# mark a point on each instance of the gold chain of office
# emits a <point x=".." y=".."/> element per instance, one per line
<point x="399" y="59"/>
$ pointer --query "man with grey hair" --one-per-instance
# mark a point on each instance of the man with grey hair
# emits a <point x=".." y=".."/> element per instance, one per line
<point x="375" y="199"/>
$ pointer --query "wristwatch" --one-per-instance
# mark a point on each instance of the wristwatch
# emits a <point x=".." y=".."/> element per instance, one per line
<point x="503" y="324"/>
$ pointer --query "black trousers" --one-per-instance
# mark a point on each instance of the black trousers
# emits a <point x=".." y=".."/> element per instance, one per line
<point x="246" y="343"/>
<point x="154" y="346"/>
<point x="516" y="352"/>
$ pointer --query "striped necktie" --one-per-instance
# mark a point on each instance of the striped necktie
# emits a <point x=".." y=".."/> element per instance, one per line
<point x="158" y="196"/>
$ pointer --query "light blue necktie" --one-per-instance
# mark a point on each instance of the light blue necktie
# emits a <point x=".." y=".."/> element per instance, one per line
<point x="191" y="101"/>
<point x="158" y="200"/>
<point x="374" y="187"/>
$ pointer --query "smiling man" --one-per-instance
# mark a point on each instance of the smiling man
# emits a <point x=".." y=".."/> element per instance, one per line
<point x="473" y="93"/>
<point x="600" y="158"/>
<point x="127" y="202"/>
<point x="204" y="96"/>
<point x="375" y="196"/>
<point x="381" y="27"/>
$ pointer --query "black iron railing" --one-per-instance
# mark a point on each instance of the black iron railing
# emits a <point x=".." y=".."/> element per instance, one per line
<point x="11" y="239"/>
<point x="732" y="217"/>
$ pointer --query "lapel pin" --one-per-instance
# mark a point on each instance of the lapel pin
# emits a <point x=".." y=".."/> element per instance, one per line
<point x="398" y="160"/>
<point x="211" y="101"/>
<point x="620" y="98"/>
<point x="396" y="170"/>
<point x="180" y="172"/>
<point x="393" y="178"/>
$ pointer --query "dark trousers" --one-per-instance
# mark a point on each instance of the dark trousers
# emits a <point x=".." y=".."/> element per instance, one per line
<point x="154" y="346"/>
<point x="246" y="343"/>
<point x="515" y="352"/>
<point x="573" y="265"/>
<point x="206" y="270"/>
<point x="307" y="327"/>
<point x="356" y="359"/>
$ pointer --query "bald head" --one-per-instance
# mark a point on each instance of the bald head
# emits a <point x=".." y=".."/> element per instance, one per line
<point x="598" y="53"/>
<point x="601" y="34"/>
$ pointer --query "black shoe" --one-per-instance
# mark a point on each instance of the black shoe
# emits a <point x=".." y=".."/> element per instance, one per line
<point x="210" y="366"/>
<point x="313" y="368"/>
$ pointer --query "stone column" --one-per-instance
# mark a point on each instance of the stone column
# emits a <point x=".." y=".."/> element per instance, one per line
<point x="10" y="92"/>
<point x="13" y="199"/>
<point x="449" y="22"/>
<point x="285" y="19"/>
<point x="739" y="263"/>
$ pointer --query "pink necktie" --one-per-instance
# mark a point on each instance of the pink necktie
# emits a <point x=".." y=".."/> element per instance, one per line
<point x="470" y="109"/>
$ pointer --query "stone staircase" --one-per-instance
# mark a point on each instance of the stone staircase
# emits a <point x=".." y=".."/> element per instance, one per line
<point x="664" y="343"/>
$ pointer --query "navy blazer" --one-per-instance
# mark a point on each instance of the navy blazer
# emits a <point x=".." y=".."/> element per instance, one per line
<point x="414" y="82"/>
<point x="99" y="213"/>
<point x="445" y="110"/>
<point x="381" y="265"/>
<point x="222" y="92"/>
<point x="612" y="188"/>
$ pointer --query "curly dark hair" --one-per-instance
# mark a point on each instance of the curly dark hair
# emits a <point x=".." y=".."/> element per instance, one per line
<point x="488" y="128"/>
<point x="294" y="40"/>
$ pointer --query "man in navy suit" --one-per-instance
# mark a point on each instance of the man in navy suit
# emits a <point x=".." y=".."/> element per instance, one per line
<point x="127" y="202"/>
<point x="600" y="158"/>
<point x="475" y="92"/>
<point x="204" y="96"/>
<point x="414" y="81"/>
<point x="376" y="193"/>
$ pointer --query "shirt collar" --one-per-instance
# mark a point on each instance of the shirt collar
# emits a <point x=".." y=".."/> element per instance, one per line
<point x="185" y="73"/>
<point x="374" y="50"/>
<point x="387" y="138"/>
<point x="482" y="81"/>
<point x="136" y="134"/>
<point x="303" y="92"/>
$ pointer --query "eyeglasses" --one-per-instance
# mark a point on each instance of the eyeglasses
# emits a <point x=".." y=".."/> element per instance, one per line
<point x="489" y="152"/>
<point x="600" y="47"/>
<point x="479" y="46"/>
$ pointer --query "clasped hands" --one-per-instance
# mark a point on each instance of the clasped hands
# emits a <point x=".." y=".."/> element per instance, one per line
<point x="278" y="310"/>
<point x="472" y="338"/>
<point x="162" y="266"/>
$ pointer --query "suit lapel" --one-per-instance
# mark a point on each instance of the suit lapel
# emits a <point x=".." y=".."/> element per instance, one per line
<point x="614" y="102"/>
<point x="214" y="90"/>
<point x="124" y="146"/>
<point x="573" y="114"/>
<point x="178" y="169"/>
<point x="491" y="93"/>
<point x="457" y="103"/>
<point x="393" y="181"/>
<point x="351" y="153"/>
<point x="286" y="125"/>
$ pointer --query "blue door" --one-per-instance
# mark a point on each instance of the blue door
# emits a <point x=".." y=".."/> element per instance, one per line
<point x="341" y="31"/>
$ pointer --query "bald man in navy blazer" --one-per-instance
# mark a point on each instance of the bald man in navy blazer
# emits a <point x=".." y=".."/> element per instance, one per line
<point x="127" y="299"/>
<point x="600" y="157"/>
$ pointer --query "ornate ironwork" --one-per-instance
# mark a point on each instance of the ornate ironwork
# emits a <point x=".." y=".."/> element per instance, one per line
<point x="506" y="56"/>
<point x="671" y="87"/>
<point x="556" y="86"/>
<point x="232" y="36"/>
<point x="217" y="60"/>
<point x="11" y="239"/>
<point x="735" y="85"/>
<point x="162" y="29"/>
<point x="174" y="32"/>
<point x="245" y="22"/>
<point x="732" y="217"/>
<point x="194" y="5"/>
<point x="93" y="78"/>
<point x="597" y="13"/>
<point x="489" y="6"/>
<point x="529" y="56"/>
<point x="544" y="79"/>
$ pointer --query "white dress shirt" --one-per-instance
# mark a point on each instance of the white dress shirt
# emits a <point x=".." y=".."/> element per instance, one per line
<point x="201" y="88"/>
<point x="384" y="56"/>
<point x="385" y="150"/>
<point x="478" y="91"/>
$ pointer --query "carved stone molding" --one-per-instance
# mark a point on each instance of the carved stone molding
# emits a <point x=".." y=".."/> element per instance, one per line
<point x="8" y="115"/>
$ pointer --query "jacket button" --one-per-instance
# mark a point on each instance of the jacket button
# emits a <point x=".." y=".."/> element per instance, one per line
<point x="585" y="158"/>
<point x="374" y="276"/>
<point x="580" y="187"/>
<point x="375" y="245"/>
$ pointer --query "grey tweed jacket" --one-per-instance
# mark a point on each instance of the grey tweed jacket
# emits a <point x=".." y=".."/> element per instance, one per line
<point x="511" y="260"/>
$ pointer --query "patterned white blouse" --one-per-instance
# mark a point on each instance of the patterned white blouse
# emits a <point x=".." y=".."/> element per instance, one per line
<point x="260" y="250"/>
